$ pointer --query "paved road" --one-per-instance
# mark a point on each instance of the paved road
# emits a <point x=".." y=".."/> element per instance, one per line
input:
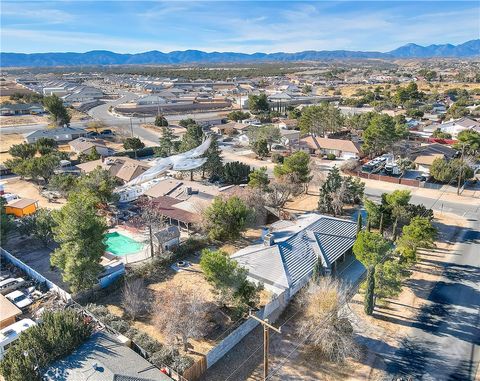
<point x="444" y="343"/>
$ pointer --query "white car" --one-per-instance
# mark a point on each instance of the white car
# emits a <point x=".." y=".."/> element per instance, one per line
<point x="19" y="299"/>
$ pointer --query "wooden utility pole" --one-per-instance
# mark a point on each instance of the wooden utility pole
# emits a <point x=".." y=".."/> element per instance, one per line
<point x="266" y="341"/>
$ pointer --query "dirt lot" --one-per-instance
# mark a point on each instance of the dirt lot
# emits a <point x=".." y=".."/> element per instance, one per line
<point x="6" y="141"/>
<point x="27" y="189"/>
<point x="8" y="121"/>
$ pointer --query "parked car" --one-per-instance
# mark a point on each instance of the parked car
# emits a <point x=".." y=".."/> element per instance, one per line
<point x="19" y="299"/>
<point x="106" y="132"/>
<point x="92" y="134"/>
<point x="11" y="284"/>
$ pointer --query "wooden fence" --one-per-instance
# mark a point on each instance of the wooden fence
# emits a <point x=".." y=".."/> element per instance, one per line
<point x="196" y="370"/>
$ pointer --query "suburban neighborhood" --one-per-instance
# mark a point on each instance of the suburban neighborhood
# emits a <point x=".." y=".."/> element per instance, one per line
<point x="277" y="218"/>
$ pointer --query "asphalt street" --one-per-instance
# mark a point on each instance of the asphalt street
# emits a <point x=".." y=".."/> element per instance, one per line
<point x="444" y="340"/>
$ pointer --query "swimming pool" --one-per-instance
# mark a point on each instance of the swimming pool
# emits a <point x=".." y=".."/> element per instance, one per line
<point x="119" y="244"/>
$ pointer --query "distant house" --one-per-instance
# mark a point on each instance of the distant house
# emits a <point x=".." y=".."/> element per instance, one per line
<point x="60" y="134"/>
<point x="83" y="94"/>
<point x="86" y="145"/>
<point x="104" y="357"/>
<point x="288" y="124"/>
<point x="342" y="149"/>
<point x="290" y="137"/>
<point x="21" y="207"/>
<point x="424" y="156"/>
<point x="121" y="167"/>
<point x="21" y="109"/>
<point x="454" y="127"/>
<point x="292" y="249"/>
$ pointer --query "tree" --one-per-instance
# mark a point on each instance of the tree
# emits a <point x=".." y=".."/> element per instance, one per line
<point x="337" y="191"/>
<point x="99" y="184"/>
<point x="46" y="145"/>
<point x="192" y="138"/>
<point x="447" y="171"/>
<point x="39" y="225"/>
<point x="270" y="133"/>
<point x="166" y="143"/>
<point x="181" y="313"/>
<point x="59" y="114"/>
<point x="152" y="218"/>
<point x="236" y="173"/>
<point x="134" y="144"/>
<point x="370" y="249"/>
<point x="438" y="133"/>
<point x="420" y="233"/>
<point x="281" y="189"/>
<point x="186" y="122"/>
<point x="62" y="183"/>
<point x="298" y="165"/>
<point x="388" y="278"/>
<point x="321" y="119"/>
<point x="59" y="333"/>
<point x="229" y="280"/>
<point x="258" y="179"/>
<point x="381" y="134"/>
<point x="44" y="166"/>
<point x="325" y="321"/>
<point x="23" y="151"/>
<point x="258" y="103"/>
<point x="214" y="164"/>
<point x="359" y="222"/>
<point x="226" y="219"/>
<point x="91" y="156"/>
<point x="469" y="141"/>
<point x="161" y="121"/>
<point x="80" y="235"/>
<point x="135" y="298"/>
<point x="5" y="223"/>
<point x="238" y="115"/>
<point x="260" y="147"/>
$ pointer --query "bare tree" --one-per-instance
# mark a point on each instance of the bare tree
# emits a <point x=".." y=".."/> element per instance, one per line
<point x="326" y="320"/>
<point x="338" y="199"/>
<point x="150" y="217"/>
<point x="135" y="298"/>
<point x="181" y="314"/>
<point x="281" y="190"/>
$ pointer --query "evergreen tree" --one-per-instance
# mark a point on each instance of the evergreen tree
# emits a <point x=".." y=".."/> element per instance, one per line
<point x="369" y="303"/>
<point x="359" y="222"/>
<point x="80" y="235"/>
<point x="192" y="138"/>
<point x="166" y="143"/>
<point x="59" y="114"/>
<point x="214" y="164"/>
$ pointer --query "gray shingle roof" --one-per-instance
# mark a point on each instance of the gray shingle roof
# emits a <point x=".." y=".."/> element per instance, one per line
<point x="103" y="358"/>
<point x="298" y="245"/>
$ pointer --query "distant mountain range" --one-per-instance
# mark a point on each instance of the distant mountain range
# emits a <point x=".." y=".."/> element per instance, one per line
<point x="105" y="57"/>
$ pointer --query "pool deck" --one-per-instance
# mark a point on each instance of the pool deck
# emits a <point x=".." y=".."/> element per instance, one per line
<point x="139" y="237"/>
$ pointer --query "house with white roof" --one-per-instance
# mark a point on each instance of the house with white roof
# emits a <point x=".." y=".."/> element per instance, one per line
<point x="454" y="127"/>
<point x="290" y="251"/>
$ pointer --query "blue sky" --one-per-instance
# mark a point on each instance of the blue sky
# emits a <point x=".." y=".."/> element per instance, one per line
<point x="240" y="26"/>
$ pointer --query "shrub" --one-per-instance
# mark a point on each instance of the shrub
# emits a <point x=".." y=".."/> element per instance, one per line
<point x="120" y="325"/>
<point x="144" y="341"/>
<point x="331" y="156"/>
<point x="277" y="158"/>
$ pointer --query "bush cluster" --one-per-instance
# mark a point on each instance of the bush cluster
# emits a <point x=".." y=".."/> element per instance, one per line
<point x="156" y="352"/>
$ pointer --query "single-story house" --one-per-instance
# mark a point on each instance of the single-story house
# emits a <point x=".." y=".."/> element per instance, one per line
<point x="104" y="357"/>
<point x="123" y="168"/>
<point x="60" y="134"/>
<point x="290" y="137"/>
<point x="288" y="124"/>
<point x="21" y="109"/>
<point x="290" y="251"/>
<point x="342" y="149"/>
<point x="21" y="207"/>
<point x="454" y="127"/>
<point x="424" y="162"/>
<point x="86" y="145"/>
<point x="230" y="127"/>
<point x="10" y="312"/>
<point x="168" y="208"/>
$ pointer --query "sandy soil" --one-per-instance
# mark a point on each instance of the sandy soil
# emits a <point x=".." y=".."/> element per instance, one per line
<point x="27" y="189"/>
<point x="8" y="121"/>
<point x="6" y="141"/>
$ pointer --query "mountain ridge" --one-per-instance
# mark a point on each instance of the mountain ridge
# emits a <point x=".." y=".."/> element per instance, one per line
<point x="105" y="57"/>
